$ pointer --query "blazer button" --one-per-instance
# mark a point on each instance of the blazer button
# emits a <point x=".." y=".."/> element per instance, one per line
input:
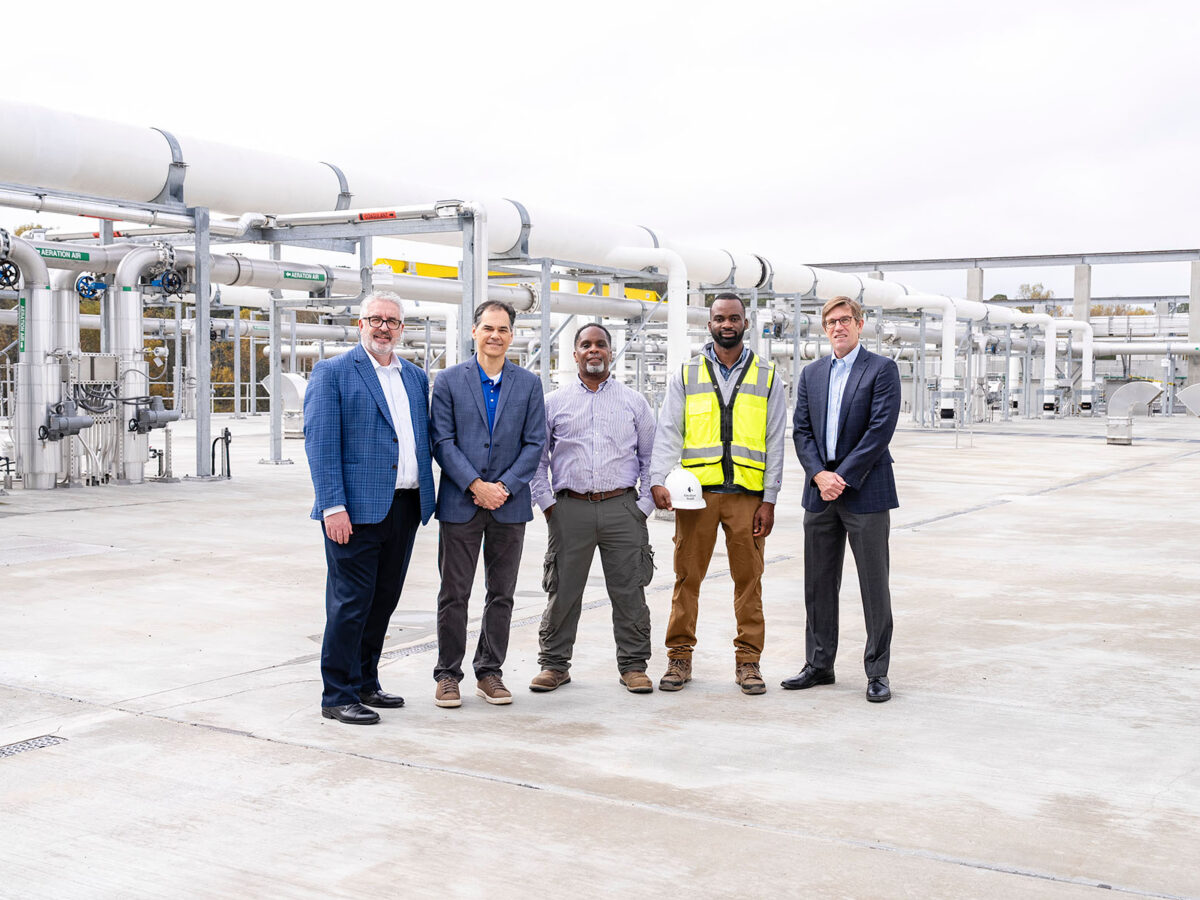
<point x="393" y="467"/>
<point x="485" y="446"/>
<point x="395" y="441"/>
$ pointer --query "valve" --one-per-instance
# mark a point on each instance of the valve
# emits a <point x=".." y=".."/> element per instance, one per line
<point x="171" y="283"/>
<point x="10" y="275"/>
<point x="89" y="287"/>
<point x="62" y="421"/>
<point x="153" y="415"/>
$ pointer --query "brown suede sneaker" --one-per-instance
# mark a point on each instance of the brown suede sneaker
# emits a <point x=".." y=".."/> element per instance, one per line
<point x="637" y="682"/>
<point x="679" y="673"/>
<point x="447" y="694"/>
<point x="750" y="678"/>
<point x="492" y="689"/>
<point x="548" y="679"/>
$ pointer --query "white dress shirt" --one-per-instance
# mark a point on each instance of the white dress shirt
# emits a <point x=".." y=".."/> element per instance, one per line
<point x="394" y="392"/>
<point x="392" y="381"/>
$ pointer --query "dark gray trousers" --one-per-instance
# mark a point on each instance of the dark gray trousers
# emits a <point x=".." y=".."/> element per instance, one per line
<point x="825" y="537"/>
<point x="458" y="555"/>
<point x="576" y="529"/>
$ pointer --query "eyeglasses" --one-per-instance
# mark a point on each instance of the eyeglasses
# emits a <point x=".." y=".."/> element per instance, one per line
<point x="380" y="321"/>
<point x="844" y="321"/>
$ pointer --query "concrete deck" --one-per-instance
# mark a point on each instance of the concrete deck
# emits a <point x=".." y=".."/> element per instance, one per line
<point x="1043" y="741"/>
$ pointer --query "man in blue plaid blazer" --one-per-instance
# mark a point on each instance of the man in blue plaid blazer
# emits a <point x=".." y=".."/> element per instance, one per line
<point x="846" y="413"/>
<point x="366" y="435"/>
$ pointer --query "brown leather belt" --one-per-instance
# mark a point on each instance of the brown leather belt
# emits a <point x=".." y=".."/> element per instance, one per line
<point x="596" y="496"/>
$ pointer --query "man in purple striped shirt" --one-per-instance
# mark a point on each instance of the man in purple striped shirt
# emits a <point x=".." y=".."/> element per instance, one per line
<point x="599" y="440"/>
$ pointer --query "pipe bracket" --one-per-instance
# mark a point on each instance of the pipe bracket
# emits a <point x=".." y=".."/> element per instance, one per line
<point x="172" y="191"/>
<point x="344" y="194"/>
<point x="519" y="250"/>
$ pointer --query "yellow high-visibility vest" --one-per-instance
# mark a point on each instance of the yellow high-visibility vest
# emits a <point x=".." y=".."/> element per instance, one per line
<point x="714" y="432"/>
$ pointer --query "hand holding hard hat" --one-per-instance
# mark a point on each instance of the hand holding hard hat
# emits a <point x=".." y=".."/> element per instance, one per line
<point x="684" y="488"/>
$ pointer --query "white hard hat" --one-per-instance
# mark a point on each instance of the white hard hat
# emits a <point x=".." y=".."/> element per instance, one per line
<point x="684" y="488"/>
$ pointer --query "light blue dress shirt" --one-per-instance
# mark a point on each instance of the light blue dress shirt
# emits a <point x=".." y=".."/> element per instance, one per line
<point x="839" y="373"/>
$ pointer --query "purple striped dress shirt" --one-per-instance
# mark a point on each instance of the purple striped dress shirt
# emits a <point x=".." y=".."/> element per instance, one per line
<point x="596" y="441"/>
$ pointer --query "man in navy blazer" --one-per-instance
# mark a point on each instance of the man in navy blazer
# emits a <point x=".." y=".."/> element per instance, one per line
<point x="846" y="412"/>
<point x="488" y="422"/>
<point x="366" y="434"/>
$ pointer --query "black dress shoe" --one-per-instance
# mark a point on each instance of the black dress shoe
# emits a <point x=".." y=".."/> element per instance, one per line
<point x="351" y="714"/>
<point x="381" y="700"/>
<point x="878" y="690"/>
<point x="809" y="676"/>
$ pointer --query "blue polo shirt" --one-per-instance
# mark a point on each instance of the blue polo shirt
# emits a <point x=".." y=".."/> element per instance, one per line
<point x="491" y="393"/>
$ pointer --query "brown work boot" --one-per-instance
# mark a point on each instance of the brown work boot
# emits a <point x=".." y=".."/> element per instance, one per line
<point x="679" y="673"/>
<point x="750" y="678"/>
<point x="447" y="692"/>
<point x="492" y="689"/>
<point x="637" y="682"/>
<point x="548" y="679"/>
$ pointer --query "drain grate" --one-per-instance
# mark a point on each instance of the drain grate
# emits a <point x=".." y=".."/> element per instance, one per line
<point x="46" y="740"/>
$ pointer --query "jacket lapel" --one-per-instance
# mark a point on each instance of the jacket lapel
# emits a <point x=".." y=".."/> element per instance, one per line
<point x="366" y="371"/>
<point x="852" y="382"/>
<point x="818" y="401"/>
<point x="471" y="373"/>
<point x="505" y="385"/>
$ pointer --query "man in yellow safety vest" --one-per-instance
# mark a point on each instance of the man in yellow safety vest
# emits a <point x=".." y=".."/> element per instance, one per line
<point x="723" y="419"/>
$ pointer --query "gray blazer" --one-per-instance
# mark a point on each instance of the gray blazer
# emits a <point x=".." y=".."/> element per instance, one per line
<point x="465" y="449"/>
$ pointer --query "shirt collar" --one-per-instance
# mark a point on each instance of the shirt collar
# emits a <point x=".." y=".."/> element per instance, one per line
<point x="485" y="377"/>
<point x="711" y="353"/>
<point x="394" y="364"/>
<point x="599" y="387"/>
<point x="849" y="358"/>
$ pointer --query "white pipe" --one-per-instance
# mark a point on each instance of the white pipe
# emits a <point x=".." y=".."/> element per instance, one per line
<point x="1050" y="370"/>
<point x="944" y="307"/>
<point x="677" y="293"/>
<point x="1109" y="349"/>
<point x="175" y="222"/>
<point x="36" y="375"/>
<point x="1087" y="385"/>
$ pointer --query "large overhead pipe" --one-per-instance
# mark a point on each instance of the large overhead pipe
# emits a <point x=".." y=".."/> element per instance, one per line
<point x="153" y="166"/>
<point x="37" y="376"/>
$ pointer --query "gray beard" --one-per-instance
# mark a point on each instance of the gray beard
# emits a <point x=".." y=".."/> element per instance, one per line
<point x="595" y="368"/>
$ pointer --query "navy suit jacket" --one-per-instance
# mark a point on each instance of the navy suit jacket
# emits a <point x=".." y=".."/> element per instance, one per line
<point x="870" y="408"/>
<point x="466" y="451"/>
<point x="351" y="442"/>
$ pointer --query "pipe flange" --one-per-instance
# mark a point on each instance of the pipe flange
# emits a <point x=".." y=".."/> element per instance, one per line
<point x="535" y="296"/>
<point x="166" y="256"/>
<point x="5" y="243"/>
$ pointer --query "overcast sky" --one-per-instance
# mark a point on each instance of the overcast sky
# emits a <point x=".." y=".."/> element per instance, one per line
<point x="817" y="131"/>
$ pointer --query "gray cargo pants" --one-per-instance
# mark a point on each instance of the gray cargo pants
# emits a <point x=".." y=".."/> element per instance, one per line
<point x="577" y="528"/>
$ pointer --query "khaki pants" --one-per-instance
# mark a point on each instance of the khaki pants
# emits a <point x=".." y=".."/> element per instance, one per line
<point x="695" y="536"/>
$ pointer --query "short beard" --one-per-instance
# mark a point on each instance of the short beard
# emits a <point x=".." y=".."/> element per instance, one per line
<point x="593" y="368"/>
<point x="728" y="343"/>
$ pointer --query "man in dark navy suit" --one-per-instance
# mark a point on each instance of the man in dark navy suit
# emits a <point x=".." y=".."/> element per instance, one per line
<point x="366" y="434"/>
<point x="488" y="422"/>
<point x="846" y="412"/>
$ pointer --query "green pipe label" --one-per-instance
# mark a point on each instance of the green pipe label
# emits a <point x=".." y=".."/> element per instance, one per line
<point x="21" y="324"/>
<point x="55" y="253"/>
<point x="303" y="276"/>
